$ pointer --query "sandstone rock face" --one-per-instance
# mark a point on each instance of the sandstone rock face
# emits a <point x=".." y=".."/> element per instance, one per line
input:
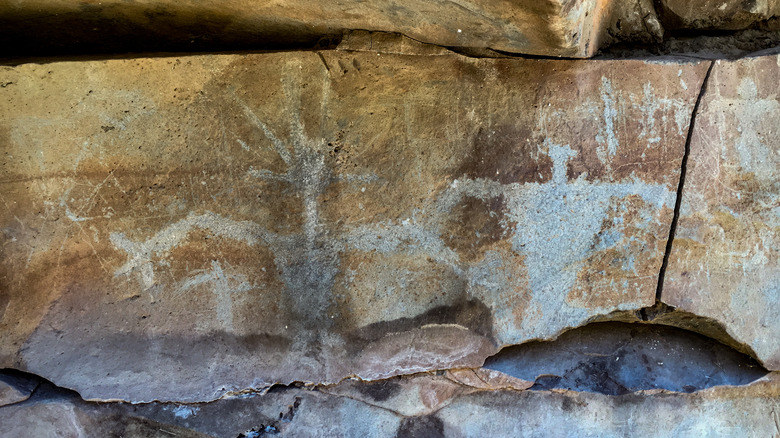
<point x="724" y="259"/>
<point x="555" y="28"/>
<point x="180" y="228"/>
<point x="423" y="405"/>
<point x="714" y="412"/>
<point x="544" y="27"/>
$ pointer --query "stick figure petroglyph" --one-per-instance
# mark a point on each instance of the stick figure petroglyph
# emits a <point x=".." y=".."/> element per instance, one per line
<point x="308" y="262"/>
<point x="557" y="224"/>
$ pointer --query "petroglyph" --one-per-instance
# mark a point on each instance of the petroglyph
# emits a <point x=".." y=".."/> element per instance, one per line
<point x="649" y="104"/>
<point x="553" y="259"/>
<point x="290" y="223"/>
<point x="308" y="263"/>
<point x="543" y="221"/>
<point x="223" y="286"/>
<point x="608" y="138"/>
<point x="551" y="231"/>
<point x="143" y="254"/>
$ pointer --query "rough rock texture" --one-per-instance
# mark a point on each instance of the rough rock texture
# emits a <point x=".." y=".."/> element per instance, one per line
<point x="555" y="28"/>
<point x="717" y="14"/>
<point x="385" y="235"/>
<point x="724" y="259"/>
<point x="729" y="412"/>
<point x="179" y="228"/>
<point x="570" y="28"/>
<point x="423" y="405"/>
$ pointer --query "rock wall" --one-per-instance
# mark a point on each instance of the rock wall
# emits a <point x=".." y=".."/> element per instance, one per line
<point x="557" y="28"/>
<point x="388" y="237"/>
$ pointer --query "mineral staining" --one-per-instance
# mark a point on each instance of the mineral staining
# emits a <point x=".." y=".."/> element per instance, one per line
<point x="294" y="222"/>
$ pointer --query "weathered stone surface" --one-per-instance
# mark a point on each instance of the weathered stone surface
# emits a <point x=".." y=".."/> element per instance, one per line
<point x="716" y="14"/>
<point x="424" y="394"/>
<point x="727" y="412"/>
<point x="558" y="28"/>
<point x="69" y="418"/>
<point x="724" y="259"/>
<point x="394" y="409"/>
<point x="570" y="28"/>
<point x="178" y="228"/>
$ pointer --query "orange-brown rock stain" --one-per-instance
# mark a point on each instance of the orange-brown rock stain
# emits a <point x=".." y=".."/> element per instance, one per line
<point x="506" y="154"/>
<point x="619" y="273"/>
<point x="30" y="288"/>
<point x="254" y="310"/>
<point x="474" y="226"/>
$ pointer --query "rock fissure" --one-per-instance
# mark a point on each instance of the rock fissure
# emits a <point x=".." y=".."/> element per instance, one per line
<point x="659" y="317"/>
<point x="681" y="185"/>
<point x="695" y="44"/>
<point x="584" y="355"/>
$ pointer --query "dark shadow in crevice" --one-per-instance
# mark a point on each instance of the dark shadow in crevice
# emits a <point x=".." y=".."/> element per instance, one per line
<point x="16" y="386"/>
<point x="617" y="358"/>
<point x="326" y="43"/>
<point x="131" y="30"/>
<point x="40" y="389"/>
<point x="699" y="44"/>
<point x="664" y="314"/>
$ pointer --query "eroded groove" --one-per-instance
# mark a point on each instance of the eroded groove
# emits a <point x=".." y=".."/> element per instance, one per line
<point x="617" y="358"/>
<point x="681" y="185"/>
<point x="411" y="401"/>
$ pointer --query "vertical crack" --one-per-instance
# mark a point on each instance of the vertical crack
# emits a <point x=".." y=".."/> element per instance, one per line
<point x="658" y="7"/>
<point x="681" y="184"/>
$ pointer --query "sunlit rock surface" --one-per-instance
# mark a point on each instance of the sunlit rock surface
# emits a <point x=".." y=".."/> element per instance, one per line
<point x="384" y="235"/>
<point x="179" y="228"/>
<point x="724" y="259"/>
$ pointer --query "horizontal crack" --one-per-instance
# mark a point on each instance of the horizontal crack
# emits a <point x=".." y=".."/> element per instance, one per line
<point x="694" y="45"/>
